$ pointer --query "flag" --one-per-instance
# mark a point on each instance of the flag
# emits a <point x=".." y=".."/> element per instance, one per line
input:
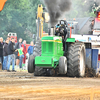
<point x="20" y="52"/>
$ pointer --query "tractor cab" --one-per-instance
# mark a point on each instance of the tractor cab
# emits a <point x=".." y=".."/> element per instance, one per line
<point x="52" y="50"/>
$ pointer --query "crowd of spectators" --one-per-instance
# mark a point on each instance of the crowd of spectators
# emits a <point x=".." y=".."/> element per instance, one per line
<point x="9" y="54"/>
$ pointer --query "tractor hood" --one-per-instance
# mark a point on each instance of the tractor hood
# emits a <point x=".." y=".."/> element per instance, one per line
<point x="51" y="51"/>
<point x="52" y="38"/>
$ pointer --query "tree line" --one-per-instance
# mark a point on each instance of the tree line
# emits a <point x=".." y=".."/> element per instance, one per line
<point x="19" y="16"/>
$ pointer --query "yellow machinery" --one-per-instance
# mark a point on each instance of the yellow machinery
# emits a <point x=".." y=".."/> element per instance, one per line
<point x="41" y="18"/>
<point x="2" y="3"/>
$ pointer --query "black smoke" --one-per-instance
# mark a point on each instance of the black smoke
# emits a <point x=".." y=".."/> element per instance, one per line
<point x="56" y="9"/>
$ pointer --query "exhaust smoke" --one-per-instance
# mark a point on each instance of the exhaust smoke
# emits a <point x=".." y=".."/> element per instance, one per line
<point x="56" y="9"/>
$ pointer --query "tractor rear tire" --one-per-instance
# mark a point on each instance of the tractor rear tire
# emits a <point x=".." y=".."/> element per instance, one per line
<point x="37" y="52"/>
<point x="62" y="65"/>
<point x="76" y="60"/>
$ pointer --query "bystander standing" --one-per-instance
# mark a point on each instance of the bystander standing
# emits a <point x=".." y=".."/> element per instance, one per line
<point x="18" y="46"/>
<point x="5" y="55"/>
<point x="1" y="50"/>
<point x="24" y="51"/>
<point x="11" y="55"/>
<point x="30" y="48"/>
<point x="91" y="28"/>
<point x="9" y="38"/>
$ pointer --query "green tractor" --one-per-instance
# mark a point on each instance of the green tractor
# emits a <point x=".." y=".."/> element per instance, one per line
<point x="49" y="58"/>
<point x="49" y="55"/>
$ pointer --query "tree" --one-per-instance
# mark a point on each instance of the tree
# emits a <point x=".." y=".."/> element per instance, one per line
<point x="19" y="16"/>
<point x="80" y="8"/>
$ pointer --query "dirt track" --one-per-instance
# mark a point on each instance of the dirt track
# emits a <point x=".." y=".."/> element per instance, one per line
<point x="21" y="85"/>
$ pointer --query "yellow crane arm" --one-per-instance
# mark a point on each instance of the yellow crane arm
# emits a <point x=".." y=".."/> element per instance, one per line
<point x="41" y="18"/>
<point x="40" y="21"/>
<point x="2" y="3"/>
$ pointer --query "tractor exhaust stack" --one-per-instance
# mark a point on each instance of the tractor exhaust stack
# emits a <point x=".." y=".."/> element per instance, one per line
<point x="52" y="31"/>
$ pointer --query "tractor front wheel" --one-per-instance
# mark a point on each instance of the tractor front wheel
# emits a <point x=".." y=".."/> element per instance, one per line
<point x="62" y="65"/>
<point x="31" y="64"/>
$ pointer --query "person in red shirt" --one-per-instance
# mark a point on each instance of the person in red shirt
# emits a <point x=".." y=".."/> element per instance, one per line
<point x="24" y="51"/>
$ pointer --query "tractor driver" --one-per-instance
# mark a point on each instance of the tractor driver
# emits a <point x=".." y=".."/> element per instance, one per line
<point x="61" y="31"/>
<point x="91" y="28"/>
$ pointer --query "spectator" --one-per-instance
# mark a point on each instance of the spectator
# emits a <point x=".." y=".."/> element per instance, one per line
<point x="21" y="59"/>
<point x="11" y="55"/>
<point x="24" y="51"/>
<point x="18" y="46"/>
<point x="30" y="48"/>
<point x="91" y="28"/>
<point x="1" y="49"/>
<point x="9" y="38"/>
<point x="5" y="55"/>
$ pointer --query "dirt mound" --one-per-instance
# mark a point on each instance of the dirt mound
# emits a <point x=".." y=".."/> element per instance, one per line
<point x="90" y="72"/>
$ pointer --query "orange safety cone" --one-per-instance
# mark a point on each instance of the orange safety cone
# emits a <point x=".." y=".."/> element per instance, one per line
<point x="2" y="3"/>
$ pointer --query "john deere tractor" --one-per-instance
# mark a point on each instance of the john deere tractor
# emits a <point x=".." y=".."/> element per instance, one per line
<point x="49" y="57"/>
